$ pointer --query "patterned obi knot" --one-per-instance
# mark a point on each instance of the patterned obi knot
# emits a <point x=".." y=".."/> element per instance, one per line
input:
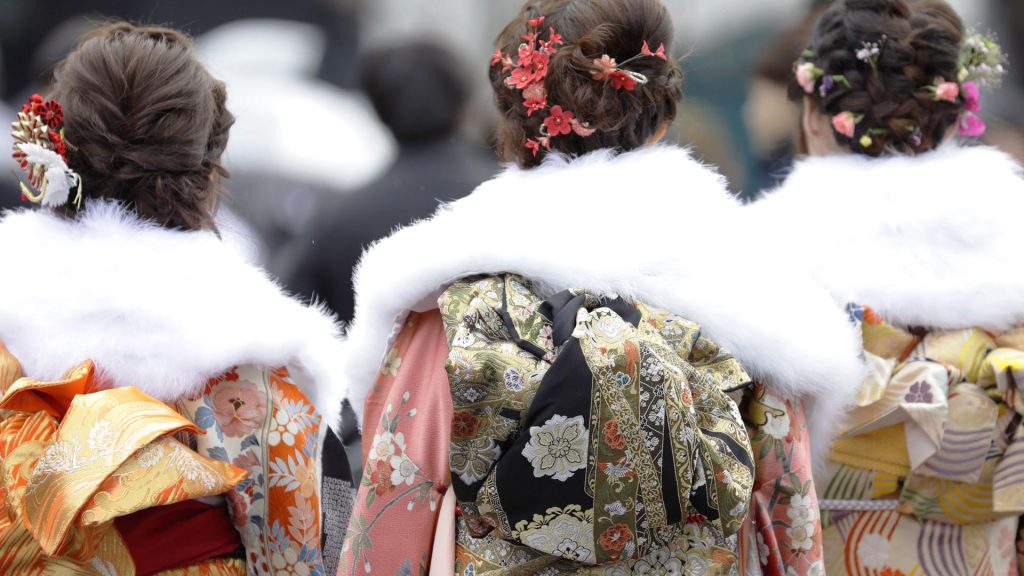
<point x="591" y="429"/>
<point x="75" y="460"/>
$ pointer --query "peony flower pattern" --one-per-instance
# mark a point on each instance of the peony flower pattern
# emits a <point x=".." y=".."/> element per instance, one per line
<point x="257" y="419"/>
<point x="239" y="407"/>
<point x="558" y="448"/>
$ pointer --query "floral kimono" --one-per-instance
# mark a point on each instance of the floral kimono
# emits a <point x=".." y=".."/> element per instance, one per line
<point x="922" y="475"/>
<point x="519" y="424"/>
<point x="173" y="426"/>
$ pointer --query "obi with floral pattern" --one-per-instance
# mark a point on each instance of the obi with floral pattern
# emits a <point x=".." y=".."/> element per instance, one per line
<point x="927" y="476"/>
<point x="100" y="480"/>
<point x="590" y="431"/>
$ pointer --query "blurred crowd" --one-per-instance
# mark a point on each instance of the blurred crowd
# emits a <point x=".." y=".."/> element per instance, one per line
<point x="357" y="116"/>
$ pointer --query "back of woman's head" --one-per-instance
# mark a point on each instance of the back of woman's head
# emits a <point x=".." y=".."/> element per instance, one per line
<point x="609" y="114"/>
<point x="883" y="61"/>
<point x="146" y="124"/>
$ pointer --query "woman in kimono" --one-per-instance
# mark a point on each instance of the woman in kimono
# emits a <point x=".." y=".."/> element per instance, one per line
<point x="547" y="370"/>
<point x="165" y="407"/>
<point x="918" y="234"/>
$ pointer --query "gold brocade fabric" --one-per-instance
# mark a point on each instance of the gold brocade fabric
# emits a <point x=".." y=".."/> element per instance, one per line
<point x="74" y="459"/>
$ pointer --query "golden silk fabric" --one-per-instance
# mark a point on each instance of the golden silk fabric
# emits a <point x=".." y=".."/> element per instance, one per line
<point x="74" y="459"/>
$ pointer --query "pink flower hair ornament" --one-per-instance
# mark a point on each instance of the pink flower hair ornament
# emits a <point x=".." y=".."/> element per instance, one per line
<point x="529" y="70"/>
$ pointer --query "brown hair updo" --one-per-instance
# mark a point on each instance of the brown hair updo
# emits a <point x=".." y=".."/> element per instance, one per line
<point x="919" y="42"/>
<point x="624" y="120"/>
<point x="146" y="123"/>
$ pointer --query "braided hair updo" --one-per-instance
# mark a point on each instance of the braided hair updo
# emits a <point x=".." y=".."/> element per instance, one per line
<point x="146" y="124"/>
<point x="621" y="119"/>
<point x="891" y="93"/>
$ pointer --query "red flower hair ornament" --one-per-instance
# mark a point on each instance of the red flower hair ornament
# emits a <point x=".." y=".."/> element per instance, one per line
<point x="530" y="69"/>
<point x="41" y="150"/>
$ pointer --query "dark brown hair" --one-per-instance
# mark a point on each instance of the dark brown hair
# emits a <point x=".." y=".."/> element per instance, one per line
<point x="146" y="123"/>
<point x="624" y="120"/>
<point x="919" y="42"/>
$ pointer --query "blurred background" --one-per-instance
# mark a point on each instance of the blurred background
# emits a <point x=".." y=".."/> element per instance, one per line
<point x="379" y="153"/>
<point x="356" y="116"/>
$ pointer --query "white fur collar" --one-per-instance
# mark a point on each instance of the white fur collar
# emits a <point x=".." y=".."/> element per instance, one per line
<point x="654" y="224"/>
<point x="934" y="240"/>
<point x="158" y="309"/>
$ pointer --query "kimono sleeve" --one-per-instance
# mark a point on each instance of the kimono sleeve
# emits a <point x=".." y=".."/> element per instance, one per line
<point x="783" y="530"/>
<point x="292" y="509"/>
<point x="405" y="449"/>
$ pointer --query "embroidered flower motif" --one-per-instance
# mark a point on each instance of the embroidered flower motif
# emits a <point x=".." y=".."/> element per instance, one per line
<point x="471" y="460"/>
<point x="288" y="563"/>
<point x="380" y="476"/>
<point x="806" y="75"/>
<point x="873" y="551"/>
<point x="866" y="141"/>
<point x="919" y="393"/>
<point x="615" y="508"/>
<point x="513" y="379"/>
<point x="612" y="436"/>
<point x="615" y="537"/>
<point x="101" y="436"/>
<point x="403" y="470"/>
<point x="558" y="448"/>
<point x="660" y="562"/>
<point x="385" y="445"/>
<point x="238" y="504"/>
<point x="558" y="122"/>
<point x="801" y="530"/>
<point x="561" y="532"/>
<point x="762" y="550"/>
<point x="464" y="424"/>
<point x="150" y="455"/>
<point x="947" y="91"/>
<point x="391" y="363"/>
<point x="283" y="429"/>
<point x="58" y="457"/>
<point x="845" y="123"/>
<point x="239" y="407"/>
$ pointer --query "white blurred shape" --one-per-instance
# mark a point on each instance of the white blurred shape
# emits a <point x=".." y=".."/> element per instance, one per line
<point x="288" y="123"/>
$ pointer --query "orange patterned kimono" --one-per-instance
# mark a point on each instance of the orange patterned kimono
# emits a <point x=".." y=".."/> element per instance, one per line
<point x="83" y="465"/>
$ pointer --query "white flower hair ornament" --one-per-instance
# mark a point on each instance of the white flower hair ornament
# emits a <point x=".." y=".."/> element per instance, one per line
<point x="41" y="150"/>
